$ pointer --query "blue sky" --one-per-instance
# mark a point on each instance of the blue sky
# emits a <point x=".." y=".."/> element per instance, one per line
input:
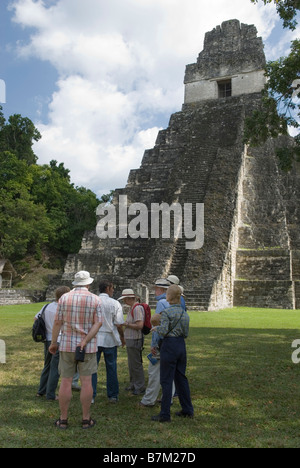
<point x="27" y="81"/>
<point x="99" y="78"/>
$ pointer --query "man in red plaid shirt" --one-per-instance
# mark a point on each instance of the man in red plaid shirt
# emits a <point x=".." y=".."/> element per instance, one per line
<point x="79" y="319"/>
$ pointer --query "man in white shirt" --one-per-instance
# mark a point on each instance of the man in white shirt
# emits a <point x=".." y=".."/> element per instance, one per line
<point x="50" y="376"/>
<point x="109" y="338"/>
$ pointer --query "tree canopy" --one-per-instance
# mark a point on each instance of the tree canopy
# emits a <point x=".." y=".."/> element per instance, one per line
<point x="287" y="10"/>
<point x="39" y="206"/>
<point x="280" y="108"/>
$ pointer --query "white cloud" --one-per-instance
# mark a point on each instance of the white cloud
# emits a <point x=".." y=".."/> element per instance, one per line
<point x="121" y="65"/>
<point x="93" y="130"/>
<point x="282" y="44"/>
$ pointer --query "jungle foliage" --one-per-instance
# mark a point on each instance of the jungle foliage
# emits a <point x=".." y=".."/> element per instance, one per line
<point x="39" y="206"/>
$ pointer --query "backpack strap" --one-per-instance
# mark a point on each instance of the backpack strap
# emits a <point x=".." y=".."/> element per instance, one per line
<point x="43" y="310"/>
<point x="132" y="310"/>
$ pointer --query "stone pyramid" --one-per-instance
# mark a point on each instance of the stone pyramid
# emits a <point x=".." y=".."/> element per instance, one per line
<point x="251" y="250"/>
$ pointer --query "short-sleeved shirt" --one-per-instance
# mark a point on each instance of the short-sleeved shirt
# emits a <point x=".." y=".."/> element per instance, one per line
<point x="112" y="313"/>
<point x="49" y="316"/>
<point x="79" y="310"/>
<point x="138" y="314"/>
<point x="174" y="322"/>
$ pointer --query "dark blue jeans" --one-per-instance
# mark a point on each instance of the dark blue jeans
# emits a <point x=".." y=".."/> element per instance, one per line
<point x="112" y="384"/>
<point x="50" y="376"/>
<point x="172" y="368"/>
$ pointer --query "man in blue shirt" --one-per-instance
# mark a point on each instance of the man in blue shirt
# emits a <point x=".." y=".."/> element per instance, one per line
<point x="153" y="388"/>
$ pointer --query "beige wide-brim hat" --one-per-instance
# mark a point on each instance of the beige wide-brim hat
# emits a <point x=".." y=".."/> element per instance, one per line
<point x="82" y="278"/>
<point x="127" y="293"/>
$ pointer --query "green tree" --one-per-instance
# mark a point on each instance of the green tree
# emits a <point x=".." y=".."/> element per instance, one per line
<point x="71" y="210"/>
<point x="81" y="217"/>
<point x="24" y="224"/>
<point x="279" y="108"/>
<point x="18" y="136"/>
<point x="287" y="10"/>
<point x="39" y="206"/>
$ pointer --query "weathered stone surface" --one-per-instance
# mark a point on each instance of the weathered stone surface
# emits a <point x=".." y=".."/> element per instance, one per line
<point x="269" y="294"/>
<point x="232" y="52"/>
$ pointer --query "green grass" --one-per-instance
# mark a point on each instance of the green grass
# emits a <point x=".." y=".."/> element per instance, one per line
<point x="245" y="388"/>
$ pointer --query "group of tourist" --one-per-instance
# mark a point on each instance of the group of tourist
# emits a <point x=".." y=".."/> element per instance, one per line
<point x="82" y="326"/>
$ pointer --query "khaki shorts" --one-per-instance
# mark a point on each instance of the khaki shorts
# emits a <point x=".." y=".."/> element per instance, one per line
<point x="68" y="366"/>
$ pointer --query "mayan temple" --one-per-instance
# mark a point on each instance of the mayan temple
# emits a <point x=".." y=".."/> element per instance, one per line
<point x="251" y="251"/>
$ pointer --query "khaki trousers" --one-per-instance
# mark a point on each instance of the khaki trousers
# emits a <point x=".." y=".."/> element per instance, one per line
<point x="135" y="365"/>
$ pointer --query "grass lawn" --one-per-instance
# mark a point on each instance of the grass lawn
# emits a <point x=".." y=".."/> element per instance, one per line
<point x="245" y="388"/>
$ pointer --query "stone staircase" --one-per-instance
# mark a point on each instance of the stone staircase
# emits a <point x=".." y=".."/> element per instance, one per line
<point x="194" y="167"/>
<point x="195" y="300"/>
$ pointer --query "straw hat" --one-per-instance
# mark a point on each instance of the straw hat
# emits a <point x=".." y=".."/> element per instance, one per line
<point x="127" y="293"/>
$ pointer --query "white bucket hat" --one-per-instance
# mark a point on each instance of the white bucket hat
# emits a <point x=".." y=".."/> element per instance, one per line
<point x="82" y="278"/>
<point x="127" y="293"/>
<point x="162" y="283"/>
<point x="173" y="279"/>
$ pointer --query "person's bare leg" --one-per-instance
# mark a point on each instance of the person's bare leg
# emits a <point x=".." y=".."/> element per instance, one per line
<point x="86" y="396"/>
<point x="65" y="395"/>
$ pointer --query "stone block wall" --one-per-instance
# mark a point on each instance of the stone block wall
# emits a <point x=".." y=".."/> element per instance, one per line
<point x="263" y="294"/>
<point x="20" y="296"/>
<point x="232" y="51"/>
<point x="267" y="265"/>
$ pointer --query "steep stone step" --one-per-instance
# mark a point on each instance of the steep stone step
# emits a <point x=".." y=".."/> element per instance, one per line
<point x="268" y="294"/>
<point x="268" y="264"/>
<point x="194" y="300"/>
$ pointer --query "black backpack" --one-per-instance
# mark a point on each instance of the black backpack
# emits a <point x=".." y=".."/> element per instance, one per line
<point x="39" y="327"/>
